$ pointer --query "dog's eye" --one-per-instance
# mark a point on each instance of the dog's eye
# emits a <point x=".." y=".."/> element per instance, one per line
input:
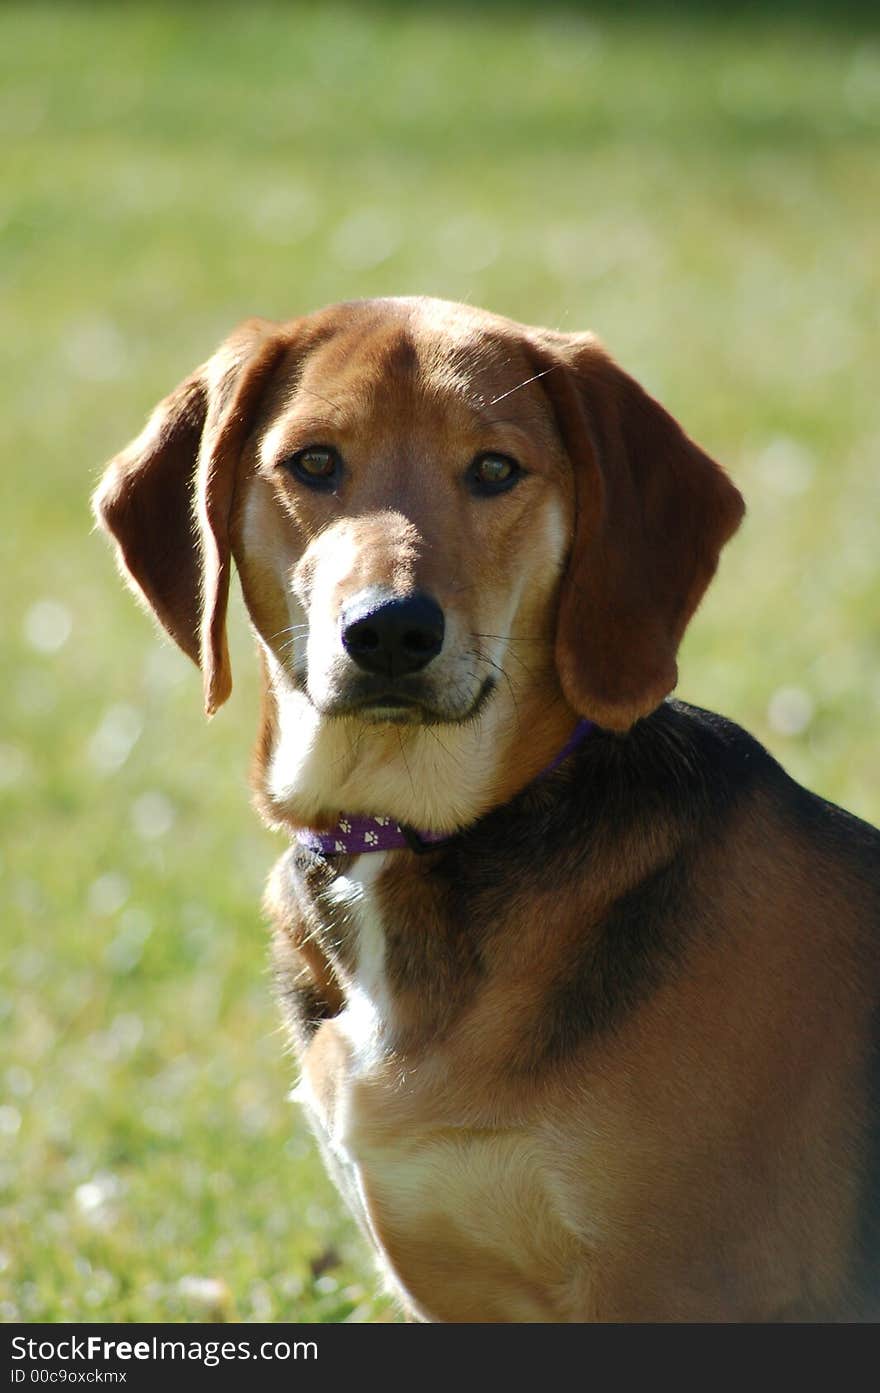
<point x="493" y="474"/>
<point x="319" y="466"/>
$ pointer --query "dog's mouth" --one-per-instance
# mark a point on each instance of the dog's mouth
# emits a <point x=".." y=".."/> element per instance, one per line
<point x="394" y="709"/>
<point x="393" y="706"/>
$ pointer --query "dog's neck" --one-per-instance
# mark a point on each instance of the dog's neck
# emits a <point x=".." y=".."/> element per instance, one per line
<point x="355" y="836"/>
<point x="437" y="779"/>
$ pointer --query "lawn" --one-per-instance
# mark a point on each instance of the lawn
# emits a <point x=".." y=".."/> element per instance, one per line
<point x="703" y="191"/>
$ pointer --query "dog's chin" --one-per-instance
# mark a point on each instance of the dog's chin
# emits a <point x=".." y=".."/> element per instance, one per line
<point x="403" y="709"/>
<point x="389" y="713"/>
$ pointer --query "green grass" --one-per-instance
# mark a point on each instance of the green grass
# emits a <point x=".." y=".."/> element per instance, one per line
<point x="705" y="193"/>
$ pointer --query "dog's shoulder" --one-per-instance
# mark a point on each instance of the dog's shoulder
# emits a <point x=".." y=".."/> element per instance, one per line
<point x="724" y="766"/>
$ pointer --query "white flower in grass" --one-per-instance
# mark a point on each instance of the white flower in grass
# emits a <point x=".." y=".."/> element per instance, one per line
<point x="96" y="1199"/>
<point x="210" y="1293"/>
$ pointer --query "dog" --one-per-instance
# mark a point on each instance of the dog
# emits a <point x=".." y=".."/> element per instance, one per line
<point x="582" y="985"/>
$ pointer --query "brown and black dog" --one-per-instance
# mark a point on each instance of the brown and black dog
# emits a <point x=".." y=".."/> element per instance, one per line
<point x="591" y="1036"/>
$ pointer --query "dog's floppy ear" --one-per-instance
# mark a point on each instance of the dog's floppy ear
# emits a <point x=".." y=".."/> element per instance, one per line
<point x="652" y="512"/>
<point x="166" y="499"/>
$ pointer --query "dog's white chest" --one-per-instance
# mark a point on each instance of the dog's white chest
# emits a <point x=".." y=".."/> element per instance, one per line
<point x="348" y="1051"/>
<point x="366" y="1017"/>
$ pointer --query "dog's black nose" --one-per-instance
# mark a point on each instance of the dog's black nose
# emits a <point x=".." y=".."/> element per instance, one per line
<point x="392" y="637"/>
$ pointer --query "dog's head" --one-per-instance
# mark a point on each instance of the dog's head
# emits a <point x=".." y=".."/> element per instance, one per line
<point x="453" y="532"/>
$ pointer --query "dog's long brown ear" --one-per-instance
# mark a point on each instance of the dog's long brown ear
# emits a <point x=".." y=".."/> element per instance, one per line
<point x="652" y="512"/>
<point x="166" y="499"/>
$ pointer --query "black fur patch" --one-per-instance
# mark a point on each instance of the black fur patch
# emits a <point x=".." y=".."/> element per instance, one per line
<point x="304" y="1007"/>
<point x="683" y="769"/>
<point x="638" y="944"/>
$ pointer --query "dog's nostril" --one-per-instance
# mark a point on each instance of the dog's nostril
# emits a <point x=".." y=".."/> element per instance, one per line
<point x="393" y="637"/>
<point x="360" y="636"/>
<point x="420" y="641"/>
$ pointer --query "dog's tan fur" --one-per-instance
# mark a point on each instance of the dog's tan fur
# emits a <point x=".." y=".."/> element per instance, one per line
<point x="605" y="1054"/>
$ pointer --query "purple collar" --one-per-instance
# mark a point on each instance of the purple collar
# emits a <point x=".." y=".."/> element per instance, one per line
<point x="354" y="835"/>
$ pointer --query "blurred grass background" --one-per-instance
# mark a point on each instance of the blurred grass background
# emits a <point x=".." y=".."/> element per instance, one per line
<point x="700" y="185"/>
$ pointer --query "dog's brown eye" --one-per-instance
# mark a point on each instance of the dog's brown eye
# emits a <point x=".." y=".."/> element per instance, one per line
<point x="319" y="466"/>
<point x="493" y="474"/>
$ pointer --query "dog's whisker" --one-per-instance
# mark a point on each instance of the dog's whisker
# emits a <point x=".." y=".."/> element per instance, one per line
<point x="312" y="393"/>
<point x="520" y="385"/>
<point x="457" y="760"/>
<point x="524" y="665"/>
<point x="289" y="629"/>
<point x="498" y="668"/>
<point x="516" y="657"/>
<point x="406" y="765"/>
<point x="508" y="638"/>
